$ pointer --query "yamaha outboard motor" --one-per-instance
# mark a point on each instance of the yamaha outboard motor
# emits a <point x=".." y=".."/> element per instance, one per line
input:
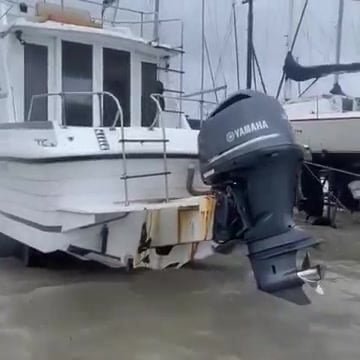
<point x="249" y="156"/>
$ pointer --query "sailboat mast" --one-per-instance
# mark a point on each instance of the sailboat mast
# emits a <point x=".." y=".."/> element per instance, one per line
<point x="249" y="60"/>
<point x="339" y="37"/>
<point x="236" y="45"/>
<point x="156" y="20"/>
<point x="202" y="60"/>
<point x="289" y="39"/>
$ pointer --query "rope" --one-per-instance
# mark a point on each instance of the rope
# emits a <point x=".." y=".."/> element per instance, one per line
<point x="219" y="66"/>
<point x="319" y="180"/>
<point x="333" y="169"/>
<point x="308" y="87"/>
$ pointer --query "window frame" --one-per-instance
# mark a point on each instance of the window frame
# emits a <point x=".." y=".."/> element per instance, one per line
<point x="51" y="82"/>
<point x="92" y="77"/>
<point x="54" y="44"/>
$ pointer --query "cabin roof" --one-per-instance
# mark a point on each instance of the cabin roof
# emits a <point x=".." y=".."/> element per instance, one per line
<point x="52" y="28"/>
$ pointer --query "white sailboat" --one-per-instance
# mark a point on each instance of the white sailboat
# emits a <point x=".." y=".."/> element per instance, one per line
<point x="93" y="162"/>
<point x="329" y="124"/>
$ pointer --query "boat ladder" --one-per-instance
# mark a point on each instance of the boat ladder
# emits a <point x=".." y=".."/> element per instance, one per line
<point x="123" y="140"/>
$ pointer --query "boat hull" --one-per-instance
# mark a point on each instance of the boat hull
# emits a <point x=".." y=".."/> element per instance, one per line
<point x="59" y="187"/>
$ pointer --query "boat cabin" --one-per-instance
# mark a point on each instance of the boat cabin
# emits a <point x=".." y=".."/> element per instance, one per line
<point x="60" y="65"/>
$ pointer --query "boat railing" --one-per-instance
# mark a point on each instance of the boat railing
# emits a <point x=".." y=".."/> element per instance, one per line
<point x="141" y="16"/>
<point x="179" y="99"/>
<point x="322" y="104"/>
<point x="63" y="94"/>
<point x="109" y="13"/>
<point x="158" y="118"/>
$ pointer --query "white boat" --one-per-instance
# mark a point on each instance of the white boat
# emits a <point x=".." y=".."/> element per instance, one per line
<point x="329" y="125"/>
<point x="96" y="161"/>
<point x="91" y="161"/>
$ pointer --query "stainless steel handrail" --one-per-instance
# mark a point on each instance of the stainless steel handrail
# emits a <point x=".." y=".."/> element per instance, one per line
<point x="154" y="97"/>
<point x="126" y="9"/>
<point x="62" y="94"/>
<point x="159" y="111"/>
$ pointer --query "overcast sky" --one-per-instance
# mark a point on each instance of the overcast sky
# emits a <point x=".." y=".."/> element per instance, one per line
<point x="315" y="45"/>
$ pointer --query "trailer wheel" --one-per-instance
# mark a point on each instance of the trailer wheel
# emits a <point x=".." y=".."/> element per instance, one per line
<point x="30" y="257"/>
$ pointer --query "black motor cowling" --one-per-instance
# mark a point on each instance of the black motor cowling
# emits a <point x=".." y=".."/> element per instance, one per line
<point x="249" y="156"/>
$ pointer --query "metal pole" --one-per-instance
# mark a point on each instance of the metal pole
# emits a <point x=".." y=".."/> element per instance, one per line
<point x="293" y="42"/>
<point x="288" y="87"/>
<point x="181" y="73"/>
<point x="205" y="91"/>
<point x="212" y="75"/>
<point x="236" y="46"/>
<point x="254" y="73"/>
<point x="339" y="37"/>
<point x="63" y="114"/>
<point x="100" y="109"/>
<point x="259" y="71"/>
<point x="249" y="45"/>
<point x="115" y="12"/>
<point x="156" y="20"/>
<point x="202" y="59"/>
<point x="142" y="24"/>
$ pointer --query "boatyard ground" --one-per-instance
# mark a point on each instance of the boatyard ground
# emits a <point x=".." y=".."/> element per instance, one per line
<point x="72" y="310"/>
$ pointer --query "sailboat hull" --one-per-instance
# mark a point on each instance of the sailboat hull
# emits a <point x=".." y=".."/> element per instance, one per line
<point x="329" y="135"/>
<point x="334" y="145"/>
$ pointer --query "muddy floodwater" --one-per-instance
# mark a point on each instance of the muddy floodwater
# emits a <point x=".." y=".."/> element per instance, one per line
<point x="72" y="310"/>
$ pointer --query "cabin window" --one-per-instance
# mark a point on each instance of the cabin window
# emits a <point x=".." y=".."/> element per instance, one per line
<point x="347" y="105"/>
<point x="36" y="81"/>
<point x="149" y="86"/>
<point x="116" y="78"/>
<point x="77" y="76"/>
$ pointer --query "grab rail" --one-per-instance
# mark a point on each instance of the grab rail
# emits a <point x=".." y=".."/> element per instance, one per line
<point x="154" y="97"/>
<point x="159" y="110"/>
<point x="158" y="120"/>
<point x="63" y="94"/>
